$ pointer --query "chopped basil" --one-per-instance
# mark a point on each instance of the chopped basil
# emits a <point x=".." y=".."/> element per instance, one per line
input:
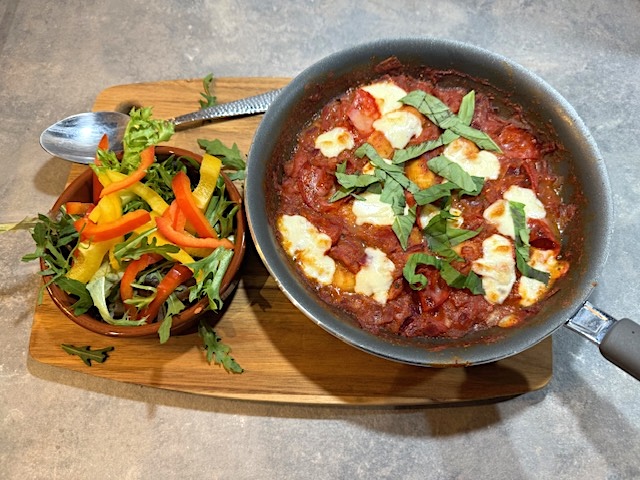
<point x="441" y="236"/>
<point x="435" y="110"/>
<point x="402" y="226"/>
<point x="522" y="244"/>
<point x="454" y="279"/>
<point x="453" y="172"/>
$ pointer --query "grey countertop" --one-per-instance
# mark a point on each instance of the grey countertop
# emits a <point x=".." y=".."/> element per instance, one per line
<point x="54" y="59"/>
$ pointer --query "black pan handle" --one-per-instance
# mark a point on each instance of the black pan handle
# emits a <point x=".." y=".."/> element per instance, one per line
<point x="618" y="340"/>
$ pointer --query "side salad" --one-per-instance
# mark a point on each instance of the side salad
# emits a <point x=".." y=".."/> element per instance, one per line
<point x="157" y="237"/>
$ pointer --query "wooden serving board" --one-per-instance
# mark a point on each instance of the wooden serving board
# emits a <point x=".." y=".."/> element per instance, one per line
<point x="286" y="357"/>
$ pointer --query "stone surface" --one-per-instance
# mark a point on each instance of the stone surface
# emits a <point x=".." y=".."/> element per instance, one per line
<point x="56" y="56"/>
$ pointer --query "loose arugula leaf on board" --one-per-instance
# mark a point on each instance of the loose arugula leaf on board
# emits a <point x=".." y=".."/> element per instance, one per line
<point x="87" y="355"/>
<point x="208" y="98"/>
<point x="216" y="350"/>
<point x="522" y="244"/>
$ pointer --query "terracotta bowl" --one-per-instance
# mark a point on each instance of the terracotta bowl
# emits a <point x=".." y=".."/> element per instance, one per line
<point x="81" y="190"/>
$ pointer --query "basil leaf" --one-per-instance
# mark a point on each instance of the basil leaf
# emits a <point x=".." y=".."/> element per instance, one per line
<point x="453" y="172"/>
<point x="436" y="111"/>
<point x="450" y="275"/>
<point x="417" y="281"/>
<point x="402" y="226"/>
<point x="459" y="235"/>
<point x="437" y="238"/>
<point x="522" y="244"/>
<point x="467" y="108"/>
<point x="434" y="192"/>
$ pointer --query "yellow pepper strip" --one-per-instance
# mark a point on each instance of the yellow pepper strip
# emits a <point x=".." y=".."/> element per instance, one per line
<point x="89" y="255"/>
<point x="209" y="173"/>
<point x="155" y="201"/>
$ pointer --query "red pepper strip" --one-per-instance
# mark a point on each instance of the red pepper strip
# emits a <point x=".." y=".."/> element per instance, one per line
<point x="130" y="274"/>
<point x="147" y="156"/>
<point x="172" y="280"/>
<point x="97" y="186"/>
<point x="185" y="240"/>
<point x="99" y="232"/>
<point x="78" y="208"/>
<point x="178" y="219"/>
<point x="181" y="187"/>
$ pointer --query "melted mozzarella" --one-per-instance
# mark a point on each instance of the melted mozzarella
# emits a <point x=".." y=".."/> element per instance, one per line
<point x="387" y="96"/>
<point x="370" y="209"/>
<point x="497" y="268"/>
<point x="476" y="162"/>
<point x="399" y="127"/>
<point x="375" y="277"/>
<point x="499" y="213"/>
<point x="530" y="290"/>
<point x="335" y="141"/>
<point x="533" y="208"/>
<point x="307" y="246"/>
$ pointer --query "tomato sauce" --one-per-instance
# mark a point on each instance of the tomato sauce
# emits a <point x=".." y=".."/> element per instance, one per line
<point x="438" y="310"/>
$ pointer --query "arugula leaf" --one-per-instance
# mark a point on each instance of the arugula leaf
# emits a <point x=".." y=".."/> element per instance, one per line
<point x="436" y="111"/>
<point x="209" y="272"/>
<point x="78" y="289"/>
<point x="231" y="157"/>
<point x="453" y="172"/>
<point x="174" y="307"/>
<point x="450" y="275"/>
<point x="86" y="354"/>
<point x="216" y="350"/>
<point x="522" y="244"/>
<point x="209" y="100"/>
<point x="136" y="246"/>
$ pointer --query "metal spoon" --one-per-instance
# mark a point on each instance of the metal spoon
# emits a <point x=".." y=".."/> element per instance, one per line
<point x="76" y="138"/>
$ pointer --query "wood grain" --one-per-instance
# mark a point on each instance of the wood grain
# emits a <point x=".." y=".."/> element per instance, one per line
<point x="286" y="357"/>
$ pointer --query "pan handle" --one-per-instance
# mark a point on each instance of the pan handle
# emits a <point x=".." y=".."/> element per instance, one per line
<point x="618" y="340"/>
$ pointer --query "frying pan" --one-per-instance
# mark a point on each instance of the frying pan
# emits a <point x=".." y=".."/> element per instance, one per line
<point x="577" y="160"/>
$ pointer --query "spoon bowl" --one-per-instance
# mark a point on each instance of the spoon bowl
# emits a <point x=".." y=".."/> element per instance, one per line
<point x="76" y="138"/>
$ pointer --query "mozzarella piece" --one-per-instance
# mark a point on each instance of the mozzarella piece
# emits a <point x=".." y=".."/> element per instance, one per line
<point x="375" y="277"/>
<point x="497" y="267"/>
<point x="399" y="127"/>
<point x="372" y="210"/>
<point x="476" y="162"/>
<point x="307" y="246"/>
<point x="387" y="96"/>
<point x="335" y="141"/>
<point x="499" y="213"/>
<point x="533" y="208"/>
<point x="530" y="290"/>
<point x="427" y="212"/>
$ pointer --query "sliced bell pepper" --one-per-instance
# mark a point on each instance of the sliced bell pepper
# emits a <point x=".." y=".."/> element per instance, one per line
<point x="97" y="185"/>
<point x="147" y="156"/>
<point x="181" y="187"/>
<point x="78" y="208"/>
<point x="131" y="273"/>
<point x="107" y="209"/>
<point x="88" y="258"/>
<point x="185" y="240"/>
<point x="99" y="232"/>
<point x="172" y="280"/>
<point x="153" y="199"/>
<point x="180" y="256"/>
<point x="209" y="173"/>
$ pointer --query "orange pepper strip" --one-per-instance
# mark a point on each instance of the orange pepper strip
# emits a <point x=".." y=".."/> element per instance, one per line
<point x="78" y="208"/>
<point x="178" y="219"/>
<point x="129" y="276"/>
<point x="172" y="280"/>
<point x="184" y="240"/>
<point x="99" y="232"/>
<point x="147" y="156"/>
<point x="97" y="186"/>
<point x="181" y="187"/>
